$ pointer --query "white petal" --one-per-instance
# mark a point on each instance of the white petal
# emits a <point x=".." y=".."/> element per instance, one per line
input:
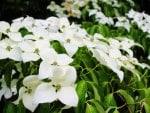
<point x="4" y="26"/>
<point x="45" y="70"/>
<point x="3" y="53"/>
<point x="63" y="59"/>
<point x="15" y="36"/>
<point x="30" y="80"/>
<point x="69" y="77"/>
<point x="68" y="96"/>
<point x="58" y="74"/>
<point x="114" y="53"/>
<point x="26" y="57"/>
<point x="15" y="54"/>
<point x="71" y="49"/>
<point x="28" y="102"/>
<point x="45" y="93"/>
<point x="21" y="92"/>
<point x="15" y="27"/>
<point x="42" y="44"/>
<point x="2" y="92"/>
<point x="27" y="46"/>
<point x="48" y="55"/>
<point x="63" y="23"/>
<point x="8" y="93"/>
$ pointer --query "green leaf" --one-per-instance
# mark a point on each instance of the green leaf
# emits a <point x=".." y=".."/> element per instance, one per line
<point x="116" y="111"/>
<point x="8" y="73"/>
<point x="24" y="31"/>
<point x="10" y="108"/>
<point x="97" y="104"/>
<point x="147" y="106"/>
<point x="102" y="29"/>
<point x="90" y="109"/>
<point x="58" y="47"/>
<point x="109" y="101"/>
<point x="81" y="91"/>
<point x="96" y="90"/>
<point x="126" y="96"/>
<point x="128" y="99"/>
<point x="43" y="108"/>
<point x="21" y="108"/>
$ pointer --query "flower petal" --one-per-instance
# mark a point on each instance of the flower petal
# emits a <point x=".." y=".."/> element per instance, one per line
<point x="69" y="77"/>
<point x="45" y="70"/>
<point x="28" y="102"/>
<point x="68" y="96"/>
<point x="15" y="54"/>
<point x="30" y="57"/>
<point x="45" y="93"/>
<point x="63" y="59"/>
<point x="71" y="49"/>
<point x="3" y="53"/>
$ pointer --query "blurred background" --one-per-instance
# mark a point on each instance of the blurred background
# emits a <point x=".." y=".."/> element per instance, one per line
<point x="11" y="9"/>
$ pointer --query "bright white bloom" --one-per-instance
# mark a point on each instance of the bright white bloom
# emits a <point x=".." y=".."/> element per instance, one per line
<point x="149" y="57"/>
<point x="53" y="24"/>
<point x="15" y="36"/>
<point x="72" y="39"/>
<point x="123" y="22"/>
<point x="31" y="49"/>
<point x="26" y="93"/>
<point x="40" y="33"/>
<point x="5" y="90"/>
<point x="50" y="60"/>
<point x="106" y="60"/>
<point x="10" y="49"/>
<point x="4" y="27"/>
<point x="60" y="88"/>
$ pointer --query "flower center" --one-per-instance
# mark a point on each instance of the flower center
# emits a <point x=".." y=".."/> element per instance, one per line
<point x="55" y="63"/>
<point x="28" y="89"/>
<point x="7" y="30"/>
<point x="68" y="40"/>
<point x="36" y="51"/>
<point x="8" y="48"/>
<point x="57" y="87"/>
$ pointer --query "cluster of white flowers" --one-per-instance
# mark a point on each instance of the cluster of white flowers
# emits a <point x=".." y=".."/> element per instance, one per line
<point x="69" y="8"/>
<point x="141" y="19"/>
<point x="56" y="78"/>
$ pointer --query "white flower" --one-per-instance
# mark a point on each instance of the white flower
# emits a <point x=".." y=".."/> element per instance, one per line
<point x="40" y="33"/>
<point x="61" y="87"/>
<point x="149" y="57"/>
<point x="5" y="90"/>
<point x="4" y="27"/>
<point x="9" y="49"/>
<point x="26" y="93"/>
<point x="106" y="60"/>
<point x="53" y="24"/>
<point x="123" y="22"/>
<point x="50" y="60"/>
<point x="31" y="49"/>
<point x="15" y="36"/>
<point x="72" y="40"/>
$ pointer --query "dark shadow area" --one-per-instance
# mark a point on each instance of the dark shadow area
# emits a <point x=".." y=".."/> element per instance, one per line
<point x="11" y="9"/>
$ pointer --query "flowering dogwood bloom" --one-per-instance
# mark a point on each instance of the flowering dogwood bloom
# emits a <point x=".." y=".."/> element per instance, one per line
<point x="61" y="87"/>
<point x="5" y="90"/>
<point x="72" y="39"/>
<point x="10" y="49"/>
<point x="106" y="60"/>
<point x="31" y="49"/>
<point x="26" y="93"/>
<point x="4" y="27"/>
<point x="50" y="60"/>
